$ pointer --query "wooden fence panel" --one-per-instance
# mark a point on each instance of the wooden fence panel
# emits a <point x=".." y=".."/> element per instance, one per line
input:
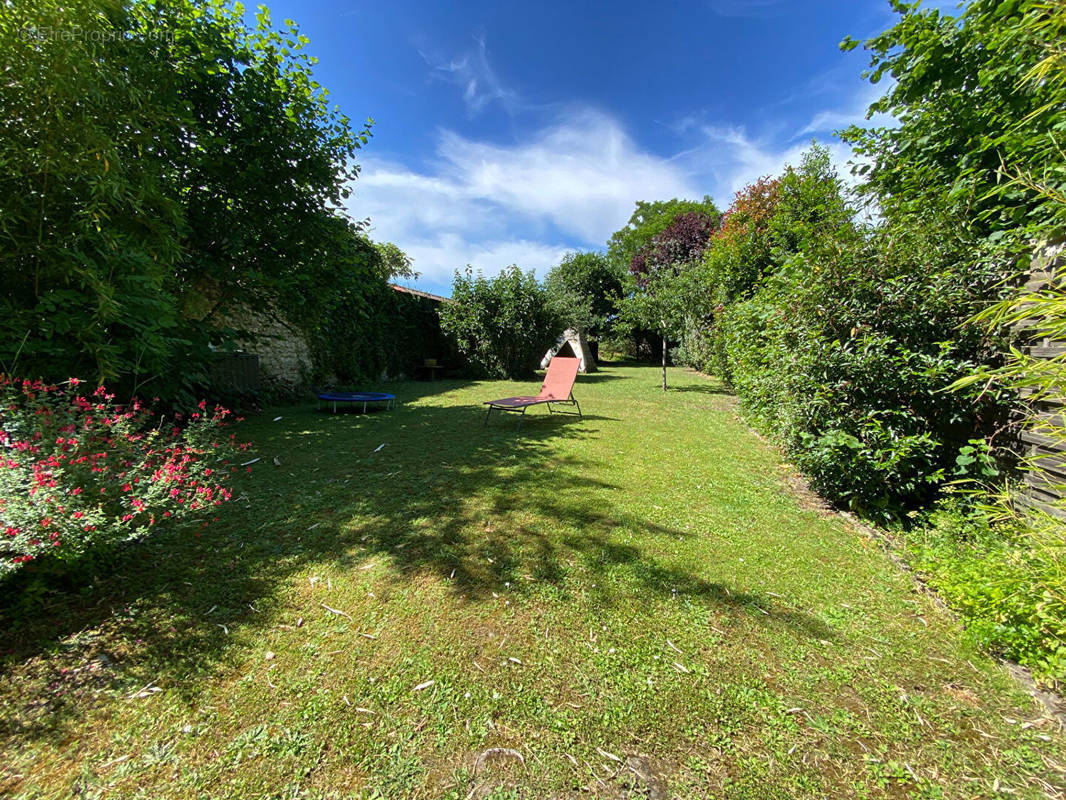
<point x="1045" y="481"/>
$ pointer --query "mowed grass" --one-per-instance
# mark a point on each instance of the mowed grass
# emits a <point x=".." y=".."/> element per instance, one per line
<point x="405" y="604"/>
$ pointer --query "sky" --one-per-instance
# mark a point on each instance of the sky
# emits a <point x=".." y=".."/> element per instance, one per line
<point x="515" y="132"/>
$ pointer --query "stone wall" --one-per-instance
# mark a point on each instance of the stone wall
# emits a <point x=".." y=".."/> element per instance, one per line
<point x="284" y="354"/>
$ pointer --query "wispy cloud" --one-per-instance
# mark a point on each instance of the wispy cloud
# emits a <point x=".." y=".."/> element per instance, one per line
<point x="568" y="186"/>
<point x="853" y="111"/>
<point x="473" y="74"/>
<point x="732" y="158"/>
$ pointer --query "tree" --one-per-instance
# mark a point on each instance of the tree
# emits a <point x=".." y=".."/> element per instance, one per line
<point x="502" y="324"/>
<point x="164" y="160"/>
<point x="90" y="233"/>
<point x="396" y="262"/>
<point x="648" y="220"/>
<point x="662" y="276"/>
<point x="956" y="95"/>
<point x="583" y="292"/>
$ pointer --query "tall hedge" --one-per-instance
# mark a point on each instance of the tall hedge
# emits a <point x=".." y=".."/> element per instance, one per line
<point x="502" y="325"/>
<point x="840" y="339"/>
<point x="154" y="152"/>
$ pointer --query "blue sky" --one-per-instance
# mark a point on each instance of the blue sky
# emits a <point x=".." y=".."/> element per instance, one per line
<point x="510" y="132"/>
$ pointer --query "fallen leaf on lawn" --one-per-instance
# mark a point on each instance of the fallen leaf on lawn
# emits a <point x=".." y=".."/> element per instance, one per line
<point x="422" y="686"/>
<point x="336" y="611"/>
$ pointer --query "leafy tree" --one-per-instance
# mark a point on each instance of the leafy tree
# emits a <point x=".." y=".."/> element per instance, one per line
<point x="583" y="292"/>
<point x="396" y="262"/>
<point x="650" y="219"/>
<point x="502" y="325"/>
<point x="164" y="160"/>
<point x="1040" y="314"/>
<point x="657" y="302"/>
<point x="89" y="231"/>
<point x="981" y="104"/>
<point x="961" y="115"/>
<point x="662" y="276"/>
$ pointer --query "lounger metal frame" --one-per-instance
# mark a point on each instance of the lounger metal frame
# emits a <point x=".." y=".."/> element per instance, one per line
<point x="521" y="410"/>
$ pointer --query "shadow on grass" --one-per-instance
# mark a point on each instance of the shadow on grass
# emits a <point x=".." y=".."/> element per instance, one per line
<point x="706" y="387"/>
<point x="424" y="487"/>
<point x="595" y="377"/>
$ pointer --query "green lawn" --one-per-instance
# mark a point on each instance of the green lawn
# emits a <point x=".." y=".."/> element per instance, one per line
<point x="639" y="604"/>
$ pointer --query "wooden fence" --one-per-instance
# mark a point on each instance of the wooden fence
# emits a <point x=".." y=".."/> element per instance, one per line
<point x="1045" y="481"/>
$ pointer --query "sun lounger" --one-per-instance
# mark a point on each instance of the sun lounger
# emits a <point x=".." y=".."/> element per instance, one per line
<point x="557" y="389"/>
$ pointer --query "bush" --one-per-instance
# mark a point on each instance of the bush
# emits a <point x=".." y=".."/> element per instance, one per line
<point x="124" y="214"/>
<point x="502" y="325"/>
<point x="79" y="472"/>
<point x="844" y="354"/>
<point x="583" y="292"/>
<point x="840" y="340"/>
<point x="1008" y="584"/>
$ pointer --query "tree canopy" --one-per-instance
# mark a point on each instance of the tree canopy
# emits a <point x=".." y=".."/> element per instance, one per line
<point x="583" y="291"/>
<point x="167" y="161"/>
<point x="648" y="220"/>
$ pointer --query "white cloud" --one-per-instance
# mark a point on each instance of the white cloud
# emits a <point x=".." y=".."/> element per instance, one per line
<point x="583" y="175"/>
<point x="732" y="159"/>
<point x="570" y="185"/>
<point x="438" y="257"/>
<point x="853" y="112"/>
<point x="474" y="76"/>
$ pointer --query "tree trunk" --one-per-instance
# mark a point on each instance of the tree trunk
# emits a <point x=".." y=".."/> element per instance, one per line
<point x="664" y="362"/>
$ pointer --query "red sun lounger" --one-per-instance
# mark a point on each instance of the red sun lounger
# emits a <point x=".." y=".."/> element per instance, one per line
<point x="557" y="389"/>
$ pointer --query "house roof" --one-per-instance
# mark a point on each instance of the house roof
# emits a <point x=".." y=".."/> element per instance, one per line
<point x="435" y="297"/>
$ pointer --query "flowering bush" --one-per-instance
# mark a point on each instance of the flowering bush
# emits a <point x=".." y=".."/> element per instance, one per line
<point x="79" y="470"/>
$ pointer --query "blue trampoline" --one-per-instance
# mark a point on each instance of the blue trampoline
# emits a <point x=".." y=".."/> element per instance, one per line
<point x="365" y="398"/>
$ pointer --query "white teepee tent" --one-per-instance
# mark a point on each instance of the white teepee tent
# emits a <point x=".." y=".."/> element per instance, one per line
<point x="572" y="344"/>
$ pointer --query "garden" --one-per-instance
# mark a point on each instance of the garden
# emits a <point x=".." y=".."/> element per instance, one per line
<point x="804" y="540"/>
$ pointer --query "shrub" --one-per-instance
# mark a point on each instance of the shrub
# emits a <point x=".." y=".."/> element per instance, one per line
<point x="844" y="353"/>
<point x="840" y="340"/>
<point x="79" y="472"/>
<point x="1008" y="582"/>
<point x="583" y="292"/>
<point x="502" y="325"/>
